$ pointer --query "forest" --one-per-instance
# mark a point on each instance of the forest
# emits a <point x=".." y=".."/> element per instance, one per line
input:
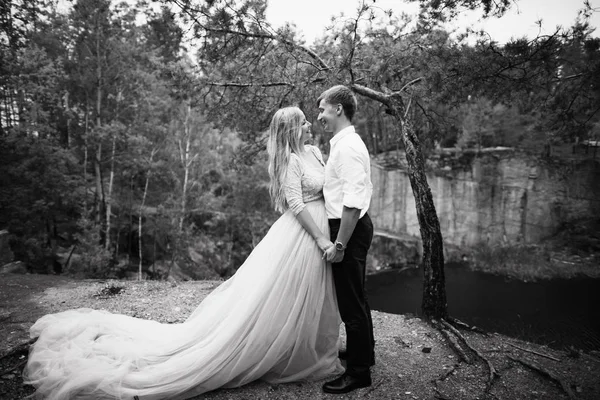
<point x="132" y="136"/>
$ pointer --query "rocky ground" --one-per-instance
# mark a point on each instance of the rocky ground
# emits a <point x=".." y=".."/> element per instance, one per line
<point x="414" y="360"/>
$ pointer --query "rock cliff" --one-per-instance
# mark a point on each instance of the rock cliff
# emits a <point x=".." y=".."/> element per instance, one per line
<point x="496" y="196"/>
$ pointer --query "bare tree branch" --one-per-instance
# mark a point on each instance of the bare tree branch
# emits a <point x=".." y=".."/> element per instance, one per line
<point x="354" y="40"/>
<point x="370" y="93"/>
<point x="262" y="35"/>
<point x="322" y="64"/>
<point x="243" y="85"/>
<point x="408" y="107"/>
<point x="410" y="84"/>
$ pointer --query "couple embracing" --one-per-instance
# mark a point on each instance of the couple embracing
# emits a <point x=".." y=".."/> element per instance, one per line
<point x="276" y="319"/>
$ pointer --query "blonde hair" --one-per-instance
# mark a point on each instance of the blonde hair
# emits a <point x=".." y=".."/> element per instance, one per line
<point x="284" y="138"/>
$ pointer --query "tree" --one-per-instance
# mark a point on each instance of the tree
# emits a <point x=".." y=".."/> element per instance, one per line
<point x="18" y="20"/>
<point x="164" y="35"/>
<point x="41" y="192"/>
<point x="549" y="79"/>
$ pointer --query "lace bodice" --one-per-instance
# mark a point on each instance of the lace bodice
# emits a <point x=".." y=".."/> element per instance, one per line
<point x="304" y="182"/>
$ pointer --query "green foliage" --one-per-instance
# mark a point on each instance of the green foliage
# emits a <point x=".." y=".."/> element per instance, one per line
<point x="486" y="124"/>
<point x="93" y="259"/>
<point x="40" y="183"/>
<point x="165" y="35"/>
<point x="227" y="234"/>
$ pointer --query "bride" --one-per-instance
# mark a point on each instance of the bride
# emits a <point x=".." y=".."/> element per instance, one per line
<point x="276" y="319"/>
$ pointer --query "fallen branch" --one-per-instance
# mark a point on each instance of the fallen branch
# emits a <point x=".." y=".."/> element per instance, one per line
<point x="533" y="352"/>
<point x="547" y="374"/>
<point x="18" y="348"/>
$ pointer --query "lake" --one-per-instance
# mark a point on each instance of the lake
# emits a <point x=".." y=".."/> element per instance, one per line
<point x="559" y="313"/>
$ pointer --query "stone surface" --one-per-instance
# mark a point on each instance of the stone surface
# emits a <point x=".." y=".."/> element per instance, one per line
<point x="491" y="198"/>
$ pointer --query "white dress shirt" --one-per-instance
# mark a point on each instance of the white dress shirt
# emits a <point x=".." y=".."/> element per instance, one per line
<point x="347" y="174"/>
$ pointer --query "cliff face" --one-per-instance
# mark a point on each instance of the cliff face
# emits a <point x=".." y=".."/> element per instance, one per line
<point x="494" y="197"/>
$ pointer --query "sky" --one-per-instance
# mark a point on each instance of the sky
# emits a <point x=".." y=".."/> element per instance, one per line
<point x="312" y="16"/>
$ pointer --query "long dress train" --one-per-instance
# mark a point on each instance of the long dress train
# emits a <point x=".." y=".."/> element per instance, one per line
<point x="276" y="319"/>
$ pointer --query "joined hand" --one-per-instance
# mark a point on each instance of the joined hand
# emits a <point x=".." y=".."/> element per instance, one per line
<point x="332" y="255"/>
<point x="324" y="243"/>
<point x="338" y="256"/>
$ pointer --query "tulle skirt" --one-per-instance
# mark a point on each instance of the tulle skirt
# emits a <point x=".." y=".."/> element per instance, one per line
<point x="276" y="319"/>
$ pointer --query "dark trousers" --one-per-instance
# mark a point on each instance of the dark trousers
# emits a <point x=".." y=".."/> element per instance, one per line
<point x="349" y="280"/>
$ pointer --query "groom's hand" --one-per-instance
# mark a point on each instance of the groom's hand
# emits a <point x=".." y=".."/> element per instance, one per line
<point x="338" y="256"/>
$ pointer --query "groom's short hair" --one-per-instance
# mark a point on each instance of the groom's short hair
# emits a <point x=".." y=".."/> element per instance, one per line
<point x="340" y="94"/>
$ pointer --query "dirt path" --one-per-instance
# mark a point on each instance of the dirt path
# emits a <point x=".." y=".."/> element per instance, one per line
<point x="20" y="297"/>
<point x="414" y="361"/>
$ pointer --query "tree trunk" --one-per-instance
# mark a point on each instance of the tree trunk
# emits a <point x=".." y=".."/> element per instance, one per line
<point x="109" y="194"/>
<point x="154" y="254"/>
<point x="186" y="162"/>
<point x="68" y="133"/>
<point x="85" y="163"/>
<point x="21" y="106"/>
<point x="112" y="177"/>
<point x="130" y="227"/>
<point x="7" y="105"/>
<point x="14" y="108"/>
<point x="140" y="218"/>
<point x="434" y="303"/>
<point x="99" y="187"/>
<point x="140" y="215"/>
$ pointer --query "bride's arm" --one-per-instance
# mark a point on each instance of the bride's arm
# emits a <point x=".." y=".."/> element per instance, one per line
<point x="313" y="230"/>
<point x="293" y="195"/>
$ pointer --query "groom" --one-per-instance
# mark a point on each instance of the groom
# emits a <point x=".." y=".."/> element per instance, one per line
<point x="347" y="193"/>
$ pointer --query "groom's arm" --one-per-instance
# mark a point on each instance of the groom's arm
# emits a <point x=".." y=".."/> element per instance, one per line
<point x="348" y="222"/>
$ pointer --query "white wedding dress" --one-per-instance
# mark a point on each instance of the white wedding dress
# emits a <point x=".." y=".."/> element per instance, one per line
<point x="276" y="320"/>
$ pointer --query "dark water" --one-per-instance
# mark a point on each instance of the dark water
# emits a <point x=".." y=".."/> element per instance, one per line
<point x="559" y="313"/>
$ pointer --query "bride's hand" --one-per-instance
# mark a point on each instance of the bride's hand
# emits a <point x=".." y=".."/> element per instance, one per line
<point x="324" y="243"/>
<point x="329" y="254"/>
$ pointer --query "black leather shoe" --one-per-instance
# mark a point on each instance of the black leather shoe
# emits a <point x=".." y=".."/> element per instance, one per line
<point x="343" y="355"/>
<point x="346" y="384"/>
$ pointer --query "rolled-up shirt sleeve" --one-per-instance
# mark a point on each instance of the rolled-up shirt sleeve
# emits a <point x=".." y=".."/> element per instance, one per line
<point x="292" y="187"/>
<point x="351" y="169"/>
